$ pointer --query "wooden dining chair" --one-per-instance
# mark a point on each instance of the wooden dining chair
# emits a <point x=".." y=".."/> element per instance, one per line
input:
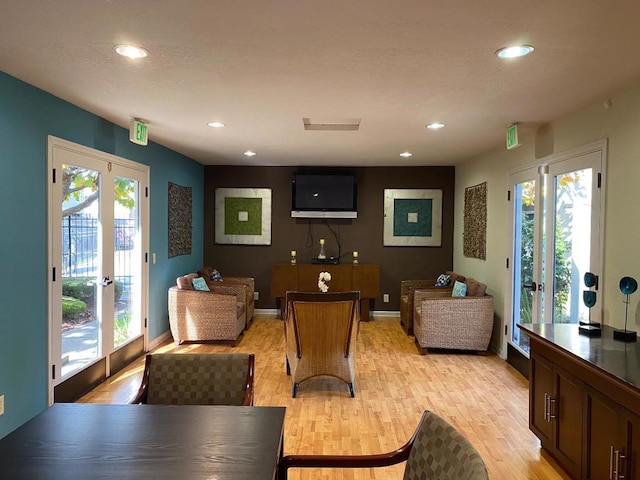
<point x="320" y="331"/>
<point x="436" y="451"/>
<point x="197" y="379"/>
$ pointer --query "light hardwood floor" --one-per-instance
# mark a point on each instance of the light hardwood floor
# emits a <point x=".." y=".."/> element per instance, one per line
<point x="482" y="396"/>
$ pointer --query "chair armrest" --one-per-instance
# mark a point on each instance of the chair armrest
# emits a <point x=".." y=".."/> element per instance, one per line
<point x="408" y="286"/>
<point x="238" y="290"/>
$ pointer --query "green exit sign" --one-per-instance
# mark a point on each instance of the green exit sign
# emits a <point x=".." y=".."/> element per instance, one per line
<point x="138" y="132"/>
<point x="512" y="137"/>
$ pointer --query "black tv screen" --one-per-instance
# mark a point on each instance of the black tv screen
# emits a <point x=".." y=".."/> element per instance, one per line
<point x="324" y="195"/>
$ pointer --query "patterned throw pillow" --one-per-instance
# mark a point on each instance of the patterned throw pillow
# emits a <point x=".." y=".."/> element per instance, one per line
<point x="443" y="280"/>
<point x="459" y="289"/>
<point x="215" y="276"/>
<point x="200" y="284"/>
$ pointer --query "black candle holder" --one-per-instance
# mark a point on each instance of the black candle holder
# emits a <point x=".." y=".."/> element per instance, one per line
<point x="628" y="285"/>
<point x="589" y="297"/>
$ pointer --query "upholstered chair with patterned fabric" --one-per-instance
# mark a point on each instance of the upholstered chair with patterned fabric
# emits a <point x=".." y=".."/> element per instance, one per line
<point x="436" y="451"/>
<point x="197" y="379"/>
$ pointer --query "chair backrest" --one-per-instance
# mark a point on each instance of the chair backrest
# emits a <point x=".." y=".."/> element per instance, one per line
<point x="323" y="323"/>
<point x="440" y="452"/>
<point x="199" y="379"/>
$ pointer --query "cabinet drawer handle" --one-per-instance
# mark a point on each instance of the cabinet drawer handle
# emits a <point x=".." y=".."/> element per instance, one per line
<point x="614" y="464"/>
<point x="552" y="407"/>
<point x="618" y="456"/>
<point x="546" y="407"/>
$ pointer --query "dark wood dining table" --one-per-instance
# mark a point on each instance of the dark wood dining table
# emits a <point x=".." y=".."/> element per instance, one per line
<point x="95" y="441"/>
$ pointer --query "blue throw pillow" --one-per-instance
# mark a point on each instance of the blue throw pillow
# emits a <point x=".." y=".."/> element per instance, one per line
<point x="443" y="280"/>
<point x="200" y="283"/>
<point x="459" y="289"/>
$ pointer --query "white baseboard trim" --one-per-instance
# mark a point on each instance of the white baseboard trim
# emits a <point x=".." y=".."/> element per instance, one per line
<point x="159" y="340"/>
<point x="386" y="313"/>
<point x="375" y="313"/>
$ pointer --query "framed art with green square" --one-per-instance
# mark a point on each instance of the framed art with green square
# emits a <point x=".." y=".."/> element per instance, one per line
<point x="412" y="217"/>
<point x="243" y="216"/>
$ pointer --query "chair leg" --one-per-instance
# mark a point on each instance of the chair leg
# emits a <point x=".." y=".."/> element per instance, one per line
<point x="294" y="390"/>
<point x="352" y="390"/>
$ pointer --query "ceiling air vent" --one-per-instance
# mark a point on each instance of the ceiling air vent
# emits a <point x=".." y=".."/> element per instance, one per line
<point x="331" y="124"/>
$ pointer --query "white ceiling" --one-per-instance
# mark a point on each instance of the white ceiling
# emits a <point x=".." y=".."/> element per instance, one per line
<point x="262" y="66"/>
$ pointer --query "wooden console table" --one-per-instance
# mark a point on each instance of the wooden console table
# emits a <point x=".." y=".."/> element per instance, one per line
<point x="584" y="400"/>
<point x="303" y="277"/>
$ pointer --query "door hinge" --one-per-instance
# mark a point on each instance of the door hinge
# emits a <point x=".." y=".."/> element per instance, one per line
<point x="145" y="322"/>
<point x="53" y="372"/>
<point x="507" y="263"/>
<point x="508" y="195"/>
<point x="146" y="257"/>
<point x="505" y="330"/>
<point x="53" y="176"/>
<point x="146" y="192"/>
<point x="53" y="274"/>
<point x="599" y="180"/>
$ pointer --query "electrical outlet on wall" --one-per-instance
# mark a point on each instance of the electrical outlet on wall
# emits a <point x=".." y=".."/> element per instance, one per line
<point x="256" y="295"/>
<point x="1" y="404"/>
<point x="385" y="298"/>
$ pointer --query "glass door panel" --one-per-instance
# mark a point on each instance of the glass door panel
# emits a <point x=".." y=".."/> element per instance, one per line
<point x="526" y="305"/>
<point x="127" y="253"/>
<point x="81" y="265"/>
<point x="573" y="194"/>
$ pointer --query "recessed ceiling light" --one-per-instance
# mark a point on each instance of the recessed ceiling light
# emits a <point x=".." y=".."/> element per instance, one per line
<point x="217" y="124"/>
<point x="514" y="51"/>
<point x="406" y="154"/>
<point x="249" y="153"/>
<point x="435" y="126"/>
<point x="130" y="51"/>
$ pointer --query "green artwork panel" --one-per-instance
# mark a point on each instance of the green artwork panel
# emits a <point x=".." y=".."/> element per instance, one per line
<point x="412" y="217"/>
<point x="242" y="216"/>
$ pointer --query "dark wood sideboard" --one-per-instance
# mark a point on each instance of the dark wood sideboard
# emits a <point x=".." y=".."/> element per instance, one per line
<point x="303" y="277"/>
<point x="584" y="400"/>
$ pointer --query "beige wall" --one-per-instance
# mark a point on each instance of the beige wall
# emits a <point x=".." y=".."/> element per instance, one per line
<point x="620" y="124"/>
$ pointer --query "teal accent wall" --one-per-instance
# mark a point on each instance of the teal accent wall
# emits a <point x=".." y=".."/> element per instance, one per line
<point x="27" y="116"/>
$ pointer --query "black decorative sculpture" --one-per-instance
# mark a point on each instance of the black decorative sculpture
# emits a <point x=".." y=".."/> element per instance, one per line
<point x="628" y="285"/>
<point x="589" y="298"/>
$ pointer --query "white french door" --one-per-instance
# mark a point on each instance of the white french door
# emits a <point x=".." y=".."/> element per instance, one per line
<point x="97" y="286"/>
<point x="556" y="239"/>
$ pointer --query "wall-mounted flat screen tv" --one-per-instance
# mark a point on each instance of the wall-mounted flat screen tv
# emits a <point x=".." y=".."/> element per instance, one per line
<point x="324" y="195"/>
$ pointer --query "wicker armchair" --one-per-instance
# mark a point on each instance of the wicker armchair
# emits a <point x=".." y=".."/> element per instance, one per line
<point x="219" y="314"/>
<point x="459" y="323"/>
<point x="407" y="289"/>
<point x="197" y="379"/>
<point x="435" y="451"/>
<point x="248" y="282"/>
<point x="320" y="332"/>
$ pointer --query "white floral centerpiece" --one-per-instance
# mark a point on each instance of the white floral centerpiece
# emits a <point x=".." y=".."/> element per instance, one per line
<point x="323" y="278"/>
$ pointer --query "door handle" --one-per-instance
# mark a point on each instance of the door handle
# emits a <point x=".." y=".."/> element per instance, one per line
<point x="106" y="281"/>
<point x="530" y="286"/>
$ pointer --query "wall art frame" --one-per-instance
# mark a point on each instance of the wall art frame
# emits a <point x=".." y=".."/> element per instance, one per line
<point x="243" y="216"/>
<point x="474" y="232"/>
<point x="180" y="223"/>
<point x="412" y="217"/>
